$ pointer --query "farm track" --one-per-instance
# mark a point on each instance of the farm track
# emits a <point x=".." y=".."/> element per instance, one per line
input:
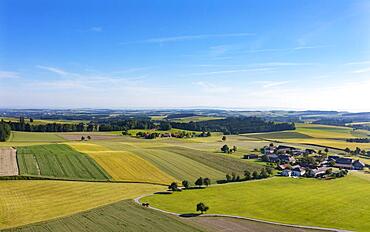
<point x="8" y="162"/>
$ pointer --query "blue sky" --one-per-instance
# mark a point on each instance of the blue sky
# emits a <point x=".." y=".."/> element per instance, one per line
<point x="144" y="54"/>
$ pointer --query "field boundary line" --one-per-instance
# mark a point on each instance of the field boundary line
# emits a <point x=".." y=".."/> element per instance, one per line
<point x="32" y="177"/>
<point x="137" y="200"/>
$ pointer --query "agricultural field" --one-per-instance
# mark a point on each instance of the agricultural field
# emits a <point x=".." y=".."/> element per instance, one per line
<point x="124" y="165"/>
<point x="195" y="119"/>
<point x="315" y="134"/>
<point x="58" y="161"/>
<point x="8" y="162"/>
<point x="176" y="165"/>
<point x="19" y="136"/>
<point x="321" y="203"/>
<point x="24" y="202"/>
<point x="121" y="216"/>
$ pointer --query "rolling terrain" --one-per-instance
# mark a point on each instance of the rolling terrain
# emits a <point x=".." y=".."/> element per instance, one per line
<point x="293" y="201"/>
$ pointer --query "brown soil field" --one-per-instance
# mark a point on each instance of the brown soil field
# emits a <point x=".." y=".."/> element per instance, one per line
<point x="221" y="224"/>
<point x="8" y="162"/>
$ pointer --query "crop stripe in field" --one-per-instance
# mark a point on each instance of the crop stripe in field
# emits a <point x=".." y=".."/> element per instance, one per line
<point x="57" y="157"/>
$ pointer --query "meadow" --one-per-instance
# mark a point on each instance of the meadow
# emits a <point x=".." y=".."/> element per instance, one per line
<point x="24" y="202"/>
<point x="58" y="161"/>
<point x="341" y="203"/>
<point x="121" y="216"/>
<point x="321" y="135"/>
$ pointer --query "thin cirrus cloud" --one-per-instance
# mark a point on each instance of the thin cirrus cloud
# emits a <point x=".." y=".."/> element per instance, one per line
<point x="230" y="71"/>
<point x="189" y="37"/>
<point x="212" y="88"/>
<point x="8" y="74"/>
<point x="53" y="70"/>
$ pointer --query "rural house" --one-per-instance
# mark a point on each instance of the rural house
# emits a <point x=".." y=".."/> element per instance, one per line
<point x="250" y="156"/>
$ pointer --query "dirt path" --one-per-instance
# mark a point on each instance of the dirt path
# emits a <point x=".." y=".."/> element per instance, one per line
<point x="8" y="162"/>
<point x="222" y="222"/>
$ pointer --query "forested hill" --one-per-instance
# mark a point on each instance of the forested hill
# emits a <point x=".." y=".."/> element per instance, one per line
<point x="235" y="125"/>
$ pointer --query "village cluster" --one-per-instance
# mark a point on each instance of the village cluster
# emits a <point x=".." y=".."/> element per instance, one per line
<point x="294" y="162"/>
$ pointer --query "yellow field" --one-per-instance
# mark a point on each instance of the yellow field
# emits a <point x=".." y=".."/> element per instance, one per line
<point x="330" y="143"/>
<point x="24" y="202"/>
<point x="124" y="165"/>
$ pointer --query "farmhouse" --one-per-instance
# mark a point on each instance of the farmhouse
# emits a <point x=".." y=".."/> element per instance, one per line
<point x="272" y="158"/>
<point x="319" y="171"/>
<point x="250" y="156"/>
<point x="358" y="165"/>
<point x="298" y="171"/>
<point x="286" y="158"/>
<point x="286" y="172"/>
<point x="347" y="163"/>
<point x="343" y="163"/>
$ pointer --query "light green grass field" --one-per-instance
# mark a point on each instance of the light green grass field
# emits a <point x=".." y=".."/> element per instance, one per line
<point x="59" y="161"/>
<point x="18" y="136"/>
<point x="24" y="202"/>
<point x="121" y="216"/>
<point x="341" y="203"/>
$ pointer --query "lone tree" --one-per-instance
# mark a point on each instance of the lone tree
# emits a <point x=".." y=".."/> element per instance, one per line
<point x="82" y="138"/>
<point x="347" y="150"/>
<point x="199" y="182"/>
<point x="225" y="149"/>
<point x="224" y="138"/>
<point x="173" y="186"/>
<point x="186" y="184"/>
<point x="255" y="175"/>
<point x="88" y="137"/>
<point x="326" y="150"/>
<point x="234" y="148"/>
<point x="207" y="181"/>
<point x="247" y="175"/>
<point x="202" y="207"/>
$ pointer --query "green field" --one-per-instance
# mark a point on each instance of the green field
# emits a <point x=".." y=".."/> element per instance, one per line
<point x="121" y="216"/>
<point x="59" y="161"/>
<point x="341" y="203"/>
<point x="23" y="201"/>
<point x="195" y="119"/>
<point x="220" y="162"/>
<point x="19" y="136"/>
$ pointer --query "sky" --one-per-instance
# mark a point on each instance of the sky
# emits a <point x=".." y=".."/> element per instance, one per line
<point x="232" y="54"/>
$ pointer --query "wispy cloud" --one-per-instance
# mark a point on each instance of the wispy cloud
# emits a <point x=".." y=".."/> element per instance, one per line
<point x="364" y="70"/>
<point x="8" y="74"/>
<point x="189" y="37"/>
<point x="358" y="62"/>
<point x="212" y="88"/>
<point x="96" y="29"/>
<point x="269" y="84"/>
<point x="53" y="70"/>
<point x="230" y="71"/>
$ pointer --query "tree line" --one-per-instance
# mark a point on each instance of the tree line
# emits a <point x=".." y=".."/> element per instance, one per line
<point x="235" y="125"/>
<point x="5" y="131"/>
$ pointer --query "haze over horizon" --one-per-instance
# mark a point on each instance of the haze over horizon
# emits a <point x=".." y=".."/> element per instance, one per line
<point x="312" y="55"/>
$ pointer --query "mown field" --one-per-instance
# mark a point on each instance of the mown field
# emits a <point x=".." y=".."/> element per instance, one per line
<point x="59" y="161"/>
<point x="124" y="165"/>
<point x="174" y="164"/>
<point x="121" y="216"/>
<point x="322" y="135"/>
<point x="341" y="203"/>
<point x="23" y="202"/>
